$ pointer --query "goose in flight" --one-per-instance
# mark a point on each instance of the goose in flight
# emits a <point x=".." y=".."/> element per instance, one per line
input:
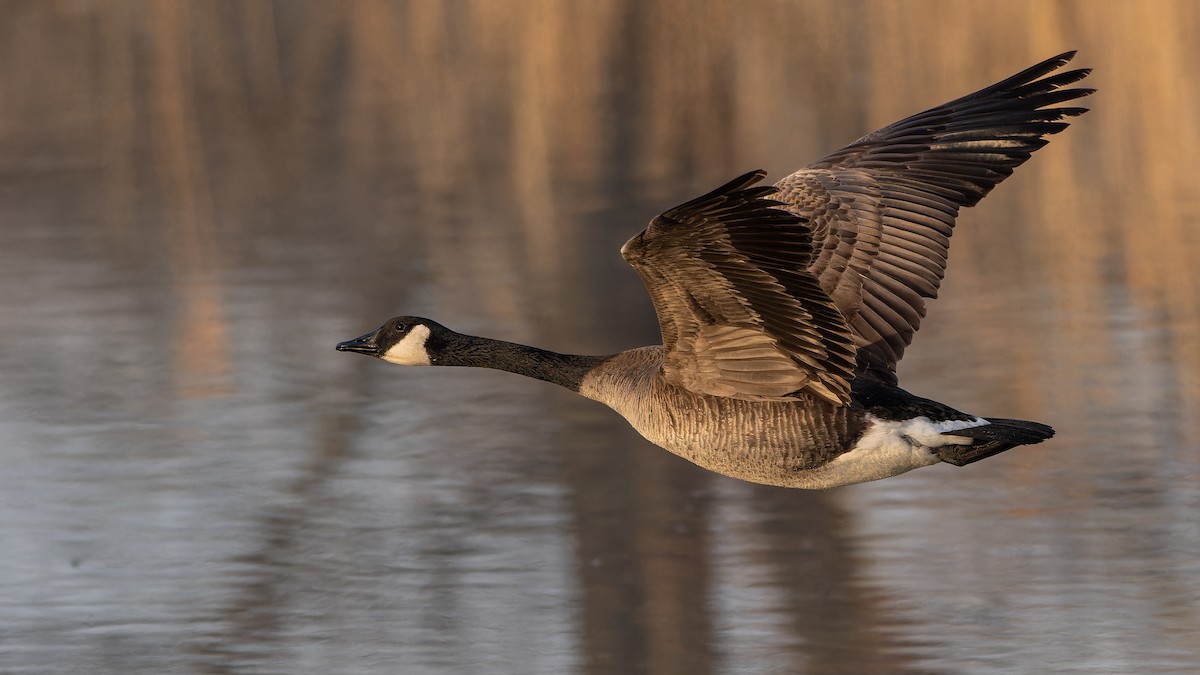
<point x="784" y="309"/>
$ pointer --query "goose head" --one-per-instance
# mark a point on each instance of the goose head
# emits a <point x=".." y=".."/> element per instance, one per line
<point x="403" y="340"/>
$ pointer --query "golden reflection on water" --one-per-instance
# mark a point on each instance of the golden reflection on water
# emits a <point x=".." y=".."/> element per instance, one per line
<point x="318" y="166"/>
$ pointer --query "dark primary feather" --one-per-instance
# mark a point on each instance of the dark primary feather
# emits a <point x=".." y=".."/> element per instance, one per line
<point x="739" y="313"/>
<point x="882" y="209"/>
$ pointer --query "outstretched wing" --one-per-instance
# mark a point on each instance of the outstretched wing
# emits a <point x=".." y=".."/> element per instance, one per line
<point x="740" y="315"/>
<point x="882" y="209"/>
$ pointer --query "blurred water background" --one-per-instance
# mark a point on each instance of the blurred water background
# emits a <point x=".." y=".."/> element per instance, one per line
<point x="198" y="199"/>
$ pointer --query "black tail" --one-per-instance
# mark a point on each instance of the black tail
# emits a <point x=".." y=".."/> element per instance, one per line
<point x="993" y="439"/>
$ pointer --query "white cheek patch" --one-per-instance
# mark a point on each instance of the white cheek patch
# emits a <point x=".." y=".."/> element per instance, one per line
<point x="410" y="350"/>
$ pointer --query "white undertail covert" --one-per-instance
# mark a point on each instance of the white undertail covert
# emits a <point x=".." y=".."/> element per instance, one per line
<point x="891" y="447"/>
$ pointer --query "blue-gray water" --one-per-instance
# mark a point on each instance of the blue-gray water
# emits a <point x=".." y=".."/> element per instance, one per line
<point x="198" y="200"/>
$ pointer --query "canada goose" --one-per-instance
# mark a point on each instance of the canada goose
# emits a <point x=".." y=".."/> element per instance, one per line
<point x="784" y="309"/>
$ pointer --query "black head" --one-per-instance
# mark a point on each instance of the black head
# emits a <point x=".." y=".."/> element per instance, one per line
<point x="401" y="340"/>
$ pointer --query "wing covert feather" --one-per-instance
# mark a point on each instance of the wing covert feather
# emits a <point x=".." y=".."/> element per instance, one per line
<point x="740" y="314"/>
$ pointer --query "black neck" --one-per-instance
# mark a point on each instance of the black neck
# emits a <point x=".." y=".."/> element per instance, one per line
<point x="565" y="370"/>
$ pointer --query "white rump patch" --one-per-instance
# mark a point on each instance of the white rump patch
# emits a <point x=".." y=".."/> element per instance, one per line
<point x="929" y="434"/>
<point x="410" y="350"/>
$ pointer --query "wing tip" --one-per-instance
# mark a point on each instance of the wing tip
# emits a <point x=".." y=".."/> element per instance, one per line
<point x="744" y="181"/>
<point x="1053" y="63"/>
<point x="1063" y="58"/>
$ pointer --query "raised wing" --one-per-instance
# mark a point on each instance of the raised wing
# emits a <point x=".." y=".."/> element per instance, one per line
<point x="882" y="209"/>
<point x="740" y="315"/>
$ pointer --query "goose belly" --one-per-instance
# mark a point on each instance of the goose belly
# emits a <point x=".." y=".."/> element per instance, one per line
<point x="782" y="443"/>
<point x="806" y="443"/>
<point x="802" y="444"/>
